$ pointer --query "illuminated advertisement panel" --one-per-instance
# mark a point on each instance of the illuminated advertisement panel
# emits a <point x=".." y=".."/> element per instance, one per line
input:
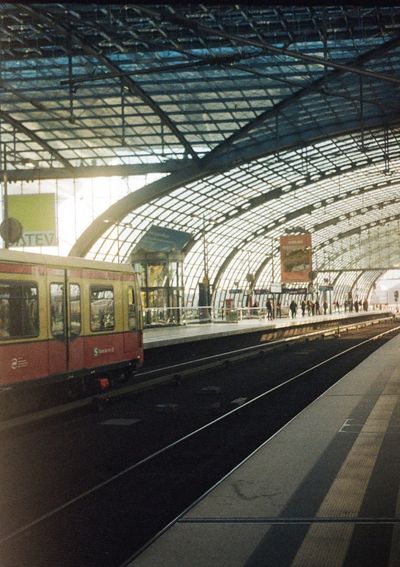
<point x="296" y="258"/>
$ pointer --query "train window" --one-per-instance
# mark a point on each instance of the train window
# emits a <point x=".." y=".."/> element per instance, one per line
<point x="57" y="316"/>
<point x="131" y="309"/>
<point x="102" y="316"/>
<point x="74" y="309"/>
<point x="19" y="313"/>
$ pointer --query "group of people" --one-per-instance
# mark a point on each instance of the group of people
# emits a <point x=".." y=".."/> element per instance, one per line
<point x="314" y="308"/>
<point x="356" y="306"/>
<point x="311" y="307"/>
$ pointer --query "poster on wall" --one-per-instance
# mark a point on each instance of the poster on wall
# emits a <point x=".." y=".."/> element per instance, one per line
<point x="37" y="214"/>
<point x="296" y="258"/>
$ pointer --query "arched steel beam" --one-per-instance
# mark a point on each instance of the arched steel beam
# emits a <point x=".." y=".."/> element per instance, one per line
<point x="277" y="193"/>
<point x="338" y="70"/>
<point x="118" y="210"/>
<point x="315" y="86"/>
<point x="134" y="88"/>
<point x="197" y="27"/>
<point x="257" y="150"/>
<point x="357" y="212"/>
<point x="332" y="221"/>
<point x="354" y="284"/>
<point x="223" y="267"/>
<point x="31" y="135"/>
<point x="310" y="208"/>
<point x="344" y="270"/>
<point x="370" y="277"/>
<point x="356" y="230"/>
<point x="364" y="251"/>
<point x="373" y="283"/>
<point x="87" y="171"/>
<point x="5" y="85"/>
<point x="261" y="267"/>
<point x="132" y="201"/>
<point x="373" y="274"/>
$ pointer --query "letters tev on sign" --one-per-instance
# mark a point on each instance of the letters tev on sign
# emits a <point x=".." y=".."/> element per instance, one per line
<point x="37" y="214"/>
<point x="296" y="258"/>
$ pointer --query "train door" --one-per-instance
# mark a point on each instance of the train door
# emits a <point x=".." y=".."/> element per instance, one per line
<point x="132" y="321"/>
<point x="74" y="321"/>
<point x="57" y="328"/>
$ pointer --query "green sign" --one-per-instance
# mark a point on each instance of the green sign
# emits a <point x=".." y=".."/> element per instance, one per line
<point x="37" y="214"/>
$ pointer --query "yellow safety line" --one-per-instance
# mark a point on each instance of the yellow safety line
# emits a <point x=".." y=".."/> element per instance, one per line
<point x="327" y="545"/>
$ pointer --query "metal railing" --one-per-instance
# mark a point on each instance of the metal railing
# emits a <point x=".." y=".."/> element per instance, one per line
<point x="165" y="316"/>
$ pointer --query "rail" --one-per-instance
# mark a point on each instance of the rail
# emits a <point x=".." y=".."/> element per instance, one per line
<point x="93" y="492"/>
<point x="177" y="372"/>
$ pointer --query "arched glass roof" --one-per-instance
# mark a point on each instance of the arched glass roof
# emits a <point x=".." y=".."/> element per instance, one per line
<point x="259" y="120"/>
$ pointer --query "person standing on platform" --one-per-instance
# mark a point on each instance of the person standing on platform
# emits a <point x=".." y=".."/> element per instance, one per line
<point x="325" y="306"/>
<point x="293" y="308"/>
<point x="269" y="309"/>
<point x="317" y="311"/>
<point x="303" y="308"/>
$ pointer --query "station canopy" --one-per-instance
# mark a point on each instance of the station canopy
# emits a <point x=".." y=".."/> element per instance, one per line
<point x="256" y="121"/>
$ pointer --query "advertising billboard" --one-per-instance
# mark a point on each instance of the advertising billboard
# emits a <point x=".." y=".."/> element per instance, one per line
<point x="161" y="239"/>
<point x="37" y="214"/>
<point x="296" y="258"/>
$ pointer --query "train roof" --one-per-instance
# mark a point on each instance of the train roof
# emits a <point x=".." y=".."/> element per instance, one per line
<point x="13" y="256"/>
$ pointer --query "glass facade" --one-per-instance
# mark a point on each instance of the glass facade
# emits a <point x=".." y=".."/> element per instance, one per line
<point x="162" y="287"/>
<point x="252" y="123"/>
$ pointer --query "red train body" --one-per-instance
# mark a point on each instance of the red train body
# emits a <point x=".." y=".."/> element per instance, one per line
<point x="67" y="318"/>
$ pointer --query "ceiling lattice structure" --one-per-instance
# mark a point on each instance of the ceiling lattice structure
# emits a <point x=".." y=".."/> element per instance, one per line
<point x="261" y="120"/>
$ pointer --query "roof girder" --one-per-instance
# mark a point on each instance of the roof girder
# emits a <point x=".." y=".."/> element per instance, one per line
<point x="133" y="87"/>
<point x="317" y="84"/>
<point x="331" y="222"/>
<point x="21" y="128"/>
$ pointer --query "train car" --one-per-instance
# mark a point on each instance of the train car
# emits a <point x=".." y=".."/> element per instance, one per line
<point x="67" y="319"/>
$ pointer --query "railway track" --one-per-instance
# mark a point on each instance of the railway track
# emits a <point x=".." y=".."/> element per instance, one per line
<point x="112" y="519"/>
<point x="177" y="372"/>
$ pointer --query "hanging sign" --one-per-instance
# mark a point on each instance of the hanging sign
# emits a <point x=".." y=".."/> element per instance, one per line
<point x="296" y="291"/>
<point x="295" y="258"/>
<point x="276" y="288"/>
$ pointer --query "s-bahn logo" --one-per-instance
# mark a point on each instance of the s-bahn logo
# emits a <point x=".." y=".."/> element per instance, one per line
<point x="18" y="362"/>
<point x="97" y="351"/>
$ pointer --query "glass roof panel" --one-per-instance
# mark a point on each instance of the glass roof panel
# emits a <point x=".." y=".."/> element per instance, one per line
<point x="263" y="119"/>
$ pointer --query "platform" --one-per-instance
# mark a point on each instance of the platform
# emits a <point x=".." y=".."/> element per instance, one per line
<point x="322" y="492"/>
<point x="162" y="336"/>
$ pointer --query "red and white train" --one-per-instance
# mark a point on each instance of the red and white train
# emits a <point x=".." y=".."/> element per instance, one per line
<point x="67" y="319"/>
